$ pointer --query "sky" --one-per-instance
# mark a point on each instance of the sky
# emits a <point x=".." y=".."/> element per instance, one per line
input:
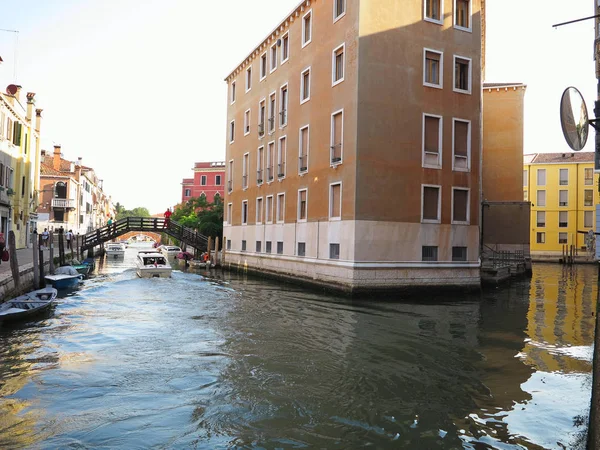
<point x="136" y="87"/>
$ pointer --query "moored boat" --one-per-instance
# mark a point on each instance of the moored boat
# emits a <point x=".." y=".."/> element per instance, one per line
<point x="64" y="277"/>
<point x="152" y="264"/>
<point x="27" y="305"/>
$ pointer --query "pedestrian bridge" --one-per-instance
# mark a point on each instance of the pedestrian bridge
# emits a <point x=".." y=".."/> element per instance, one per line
<point x="107" y="233"/>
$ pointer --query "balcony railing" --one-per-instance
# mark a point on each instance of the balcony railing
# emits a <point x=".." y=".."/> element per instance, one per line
<point x="303" y="163"/>
<point x="269" y="173"/>
<point x="281" y="170"/>
<point x="259" y="176"/>
<point x="63" y="203"/>
<point x="229" y="186"/>
<point x="336" y="153"/>
<point x="244" y="181"/>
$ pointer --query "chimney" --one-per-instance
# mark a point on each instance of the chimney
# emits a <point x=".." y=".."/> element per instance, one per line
<point x="30" y="103"/>
<point x="18" y="93"/>
<point x="56" y="160"/>
<point x="38" y="119"/>
<point x="79" y="161"/>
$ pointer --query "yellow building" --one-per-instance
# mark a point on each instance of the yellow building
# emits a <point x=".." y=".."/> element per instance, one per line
<point x="562" y="190"/>
<point x="19" y="163"/>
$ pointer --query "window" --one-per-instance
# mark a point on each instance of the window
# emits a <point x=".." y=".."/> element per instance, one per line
<point x="245" y="212"/>
<point x="285" y="47"/>
<point x="247" y="122"/>
<point x="301" y="248"/>
<point x="462" y="14"/>
<point x="563" y="238"/>
<point x="589" y="176"/>
<point x="280" y="207"/>
<point x="433" y="11"/>
<point x="306" y="29"/>
<point x="459" y="253"/>
<point x="588" y="197"/>
<point x="541" y="177"/>
<point x="541" y="219"/>
<point x="258" y="246"/>
<point x="259" y="210"/>
<point x="461" y="145"/>
<point x="245" y="167"/>
<point x="203" y="180"/>
<point x="218" y="180"/>
<point x="433" y="68"/>
<point x="563" y="177"/>
<point x="335" y="201"/>
<point x="338" y="65"/>
<point x="460" y="206"/>
<point x="268" y="247"/>
<point x="231" y="131"/>
<point x="431" y="204"/>
<point x="432" y="141"/>
<point x="429" y="253"/>
<point x="334" y="251"/>
<point x="563" y="198"/>
<point x="230" y="177"/>
<point x="232" y="92"/>
<point x="563" y="219"/>
<point x="272" y="109"/>
<point x="588" y="219"/>
<point x="248" y="79"/>
<point x="229" y="213"/>
<point x="303" y="150"/>
<point x="228" y="244"/>
<point x="263" y="66"/>
<point x="270" y="161"/>
<point x="337" y="137"/>
<point x="541" y="198"/>
<point x="244" y="245"/>
<point x="305" y="86"/>
<point x="525" y="178"/>
<point x="281" y="156"/>
<point x="302" y="195"/>
<point x="540" y="237"/>
<point x="188" y="192"/>
<point x="269" y="209"/>
<point x="462" y="75"/>
<point x="339" y="9"/>
<point x="259" y="166"/>
<point x="283" y="95"/>
<point x="273" y="58"/>
<point x="261" y="118"/>
<point x="279" y="248"/>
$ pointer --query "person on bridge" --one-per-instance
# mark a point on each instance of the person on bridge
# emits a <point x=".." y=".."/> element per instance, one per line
<point x="167" y="217"/>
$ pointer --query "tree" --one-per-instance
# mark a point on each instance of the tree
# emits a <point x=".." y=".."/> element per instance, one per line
<point x="201" y="215"/>
<point x="123" y="213"/>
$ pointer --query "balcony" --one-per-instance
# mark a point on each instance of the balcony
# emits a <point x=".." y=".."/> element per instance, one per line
<point x="65" y="203"/>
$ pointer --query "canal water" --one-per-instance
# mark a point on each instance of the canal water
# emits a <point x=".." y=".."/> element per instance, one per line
<point x="227" y="361"/>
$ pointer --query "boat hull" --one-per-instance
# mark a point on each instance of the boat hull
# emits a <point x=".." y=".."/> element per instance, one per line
<point x="63" y="281"/>
<point x="161" y="272"/>
<point x="27" y="305"/>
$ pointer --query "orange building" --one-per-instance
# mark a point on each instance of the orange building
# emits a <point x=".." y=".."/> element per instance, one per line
<point x="354" y="146"/>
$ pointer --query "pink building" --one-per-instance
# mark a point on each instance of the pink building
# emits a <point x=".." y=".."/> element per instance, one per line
<point x="209" y="179"/>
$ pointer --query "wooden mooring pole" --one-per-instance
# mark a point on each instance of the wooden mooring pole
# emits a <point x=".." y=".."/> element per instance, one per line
<point x="51" y="239"/>
<point x="41" y="258"/>
<point x="14" y="263"/>
<point x="36" y="263"/>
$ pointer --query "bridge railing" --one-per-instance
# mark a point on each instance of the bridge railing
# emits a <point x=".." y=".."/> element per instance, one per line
<point x="151" y="224"/>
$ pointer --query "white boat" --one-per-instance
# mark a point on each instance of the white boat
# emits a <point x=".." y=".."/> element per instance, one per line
<point x="170" y="251"/>
<point x="115" y="249"/>
<point x="26" y="305"/>
<point x="152" y="264"/>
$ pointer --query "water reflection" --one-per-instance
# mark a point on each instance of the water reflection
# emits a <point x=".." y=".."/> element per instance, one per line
<point x="196" y="362"/>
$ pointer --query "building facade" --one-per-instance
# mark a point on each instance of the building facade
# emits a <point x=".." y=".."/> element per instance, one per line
<point x="19" y="162"/>
<point x="354" y="146"/>
<point x="209" y="179"/>
<point x="71" y="195"/>
<point x="562" y="189"/>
